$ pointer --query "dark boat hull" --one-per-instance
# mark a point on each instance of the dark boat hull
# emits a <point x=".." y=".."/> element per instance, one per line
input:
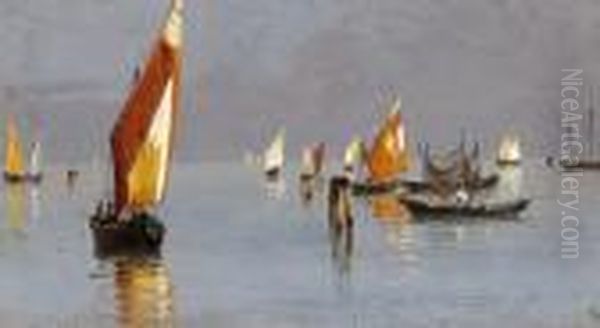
<point x="368" y="188"/>
<point x="501" y="162"/>
<point x="359" y="189"/>
<point x="22" y="178"/>
<point x="420" y="208"/>
<point x="585" y="164"/>
<point x="139" y="235"/>
<point x="273" y="174"/>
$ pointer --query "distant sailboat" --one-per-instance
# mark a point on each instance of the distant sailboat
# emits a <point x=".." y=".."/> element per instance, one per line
<point x="388" y="157"/>
<point x="35" y="169"/>
<point x="353" y="157"/>
<point x="141" y="144"/>
<point x="509" y="152"/>
<point x="14" y="170"/>
<point x="274" y="157"/>
<point x="312" y="161"/>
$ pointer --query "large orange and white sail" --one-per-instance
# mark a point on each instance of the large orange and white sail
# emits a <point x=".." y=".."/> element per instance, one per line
<point x="13" y="160"/>
<point x="142" y="138"/>
<point x="389" y="156"/>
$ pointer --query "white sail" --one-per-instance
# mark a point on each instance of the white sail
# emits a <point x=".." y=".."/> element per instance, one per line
<point x="353" y="152"/>
<point x="35" y="159"/>
<point x="510" y="150"/>
<point x="308" y="165"/>
<point x="274" y="155"/>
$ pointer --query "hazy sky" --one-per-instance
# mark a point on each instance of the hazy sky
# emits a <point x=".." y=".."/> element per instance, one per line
<point x="314" y="66"/>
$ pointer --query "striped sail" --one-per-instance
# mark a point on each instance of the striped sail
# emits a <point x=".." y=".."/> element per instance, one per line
<point x="13" y="164"/>
<point x="142" y="138"/>
<point x="388" y="156"/>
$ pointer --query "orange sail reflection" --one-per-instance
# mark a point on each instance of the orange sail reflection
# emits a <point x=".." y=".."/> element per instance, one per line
<point x="144" y="294"/>
<point x="15" y="207"/>
<point x="389" y="208"/>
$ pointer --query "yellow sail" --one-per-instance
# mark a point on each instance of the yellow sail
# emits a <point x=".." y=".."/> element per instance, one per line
<point x="389" y="156"/>
<point x="14" y="155"/>
<point x="143" y="135"/>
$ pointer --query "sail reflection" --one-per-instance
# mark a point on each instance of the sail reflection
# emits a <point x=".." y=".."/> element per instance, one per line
<point x="275" y="189"/>
<point x="388" y="208"/>
<point x="34" y="203"/>
<point x="144" y="293"/>
<point x="310" y="189"/>
<point x="15" y="207"/>
<point x="511" y="182"/>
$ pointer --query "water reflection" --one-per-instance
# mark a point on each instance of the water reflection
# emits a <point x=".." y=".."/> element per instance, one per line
<point x="310" y="189"/>
<point x="511" y="182"/>
<point x="389" y="208"/>
<point x="34" y="203"/>
<point x="342" y="246"/>
<point x="341" y="223"/>
<point x="143" y="293"/>
<point x="275" y="189"/>
<point x="15" y="207"/>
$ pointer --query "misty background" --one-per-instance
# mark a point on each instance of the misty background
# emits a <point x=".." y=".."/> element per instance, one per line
<point x="316" y="67"/>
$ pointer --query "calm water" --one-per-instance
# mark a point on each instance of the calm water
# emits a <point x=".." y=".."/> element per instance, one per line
<point x="239" y="254"/>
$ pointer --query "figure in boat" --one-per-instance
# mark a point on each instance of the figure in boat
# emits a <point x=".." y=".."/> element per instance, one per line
<point x="274" y="157"/>
<point x="141" y="144"/>
<point x="509" y="152"/>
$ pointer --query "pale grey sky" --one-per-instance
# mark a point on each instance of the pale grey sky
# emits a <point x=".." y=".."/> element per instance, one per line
<point x="312" y="65"/>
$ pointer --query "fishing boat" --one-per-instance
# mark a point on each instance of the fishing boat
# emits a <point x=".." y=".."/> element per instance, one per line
<point x="14" y="171"/>
<point x="388" y="157"/>
<point x="509" y="152"/>
<point x="312" y="161"/>
<point x="588" y="161"/>
<point x="274" y="156"/>
<point x="445" y="173"/>
<point x="141" y="145"/>
<point x="420" y="207"/>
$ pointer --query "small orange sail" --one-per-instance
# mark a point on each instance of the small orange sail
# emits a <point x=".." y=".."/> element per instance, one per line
<point x="14" y="154"/>
<point x="389" y="157"/>
<point x="142" y="137"/>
